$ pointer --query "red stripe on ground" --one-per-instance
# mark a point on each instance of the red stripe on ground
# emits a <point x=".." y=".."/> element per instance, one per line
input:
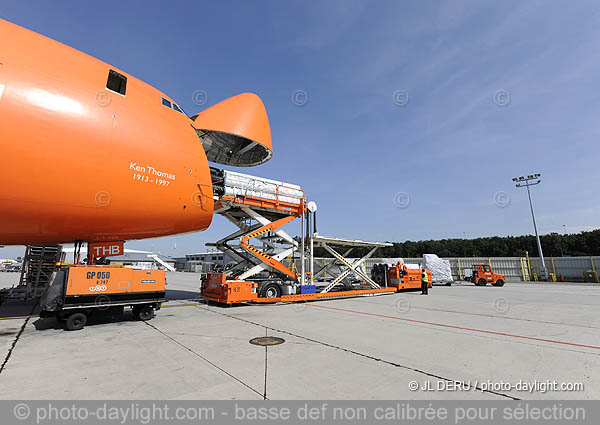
<point x="458" y="327"/>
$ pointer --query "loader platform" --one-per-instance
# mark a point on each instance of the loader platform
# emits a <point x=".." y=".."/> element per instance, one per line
<point x="265" y="256"/>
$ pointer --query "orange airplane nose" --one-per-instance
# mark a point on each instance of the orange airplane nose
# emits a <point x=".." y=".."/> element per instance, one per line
<point x="235" y="131"/>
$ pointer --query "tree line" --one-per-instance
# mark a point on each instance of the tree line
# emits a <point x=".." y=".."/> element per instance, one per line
<point x="553" y="245"/>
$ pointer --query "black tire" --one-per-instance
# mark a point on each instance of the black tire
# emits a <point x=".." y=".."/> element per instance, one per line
<point x="270" y="290"/>
<point x="144" y="312"/>
<point x="481" y="282"/>
<point x="448" y="283"/>
<point x="76" y="321"/>
<point x="499" y="282"/>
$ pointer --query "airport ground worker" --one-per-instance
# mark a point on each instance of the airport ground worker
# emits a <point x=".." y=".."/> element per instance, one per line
<point x="424" y="281"/>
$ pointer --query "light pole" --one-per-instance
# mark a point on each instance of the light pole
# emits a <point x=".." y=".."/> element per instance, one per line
<point x="562" y="254"/>
<point x="526" y="182"/>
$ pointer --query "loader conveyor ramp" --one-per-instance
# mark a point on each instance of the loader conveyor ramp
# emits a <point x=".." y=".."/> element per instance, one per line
<point x="259" y="208"/>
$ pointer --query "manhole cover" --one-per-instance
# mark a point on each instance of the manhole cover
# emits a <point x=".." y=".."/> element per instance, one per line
<point x="267" y="340"/>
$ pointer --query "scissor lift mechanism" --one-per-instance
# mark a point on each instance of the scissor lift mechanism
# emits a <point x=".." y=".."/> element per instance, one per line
<point x="259" y="208"/>
<point x="248" y="255"/>
<point x="339" y="259"/>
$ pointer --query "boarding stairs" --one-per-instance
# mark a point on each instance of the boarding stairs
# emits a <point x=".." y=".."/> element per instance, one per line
<point x="39" y="264"/>
<point x="159" y="260"/>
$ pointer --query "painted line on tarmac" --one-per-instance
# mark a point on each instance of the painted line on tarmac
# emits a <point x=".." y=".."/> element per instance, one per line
<point x="356" y="353"/>
<point x="185" y="347"/>
<point x="179" y="305"/>
<point x="14" y="343"/>
<point x="496" y="316"/>
<point x="16" y="317"/>
<point x="531" y="338"/>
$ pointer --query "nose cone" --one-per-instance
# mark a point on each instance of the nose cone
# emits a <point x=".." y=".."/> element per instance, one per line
<point x="235" y="131"/>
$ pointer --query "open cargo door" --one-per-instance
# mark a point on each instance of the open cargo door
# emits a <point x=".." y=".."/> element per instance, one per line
<point x="235" y="131"/>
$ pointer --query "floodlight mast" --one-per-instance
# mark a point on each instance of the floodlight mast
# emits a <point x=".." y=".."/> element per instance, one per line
<point x="532" y="180"/>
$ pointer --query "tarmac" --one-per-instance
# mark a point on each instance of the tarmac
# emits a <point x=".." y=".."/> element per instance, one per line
<point x="459" y="342"/>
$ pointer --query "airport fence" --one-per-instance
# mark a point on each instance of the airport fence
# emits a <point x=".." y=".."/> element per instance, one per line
<point x="514" y="268"/>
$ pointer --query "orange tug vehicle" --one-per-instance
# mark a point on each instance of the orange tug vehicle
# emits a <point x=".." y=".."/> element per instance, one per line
<point x="80" y="291"/>
<point x="483" y="274"/>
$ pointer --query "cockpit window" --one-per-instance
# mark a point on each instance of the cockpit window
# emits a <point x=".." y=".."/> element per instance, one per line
<point x="172" y="105"/>
<point x="116" y="82"/>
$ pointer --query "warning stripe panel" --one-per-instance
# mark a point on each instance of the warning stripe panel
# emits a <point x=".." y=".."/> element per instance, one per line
<point x="267" y="259"/>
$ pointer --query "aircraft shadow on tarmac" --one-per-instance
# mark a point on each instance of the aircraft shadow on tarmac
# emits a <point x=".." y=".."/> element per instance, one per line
<point x="22" y="309"/>
<point x="18" y="308"/>
<point x="127" y="316"/>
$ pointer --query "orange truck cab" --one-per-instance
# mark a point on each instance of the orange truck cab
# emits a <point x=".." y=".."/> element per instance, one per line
<point x="80" y="291"/>
<point x="483" y="274"/>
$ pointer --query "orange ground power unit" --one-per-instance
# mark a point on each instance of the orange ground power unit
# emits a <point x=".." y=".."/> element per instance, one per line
<point x="79" y="291"/>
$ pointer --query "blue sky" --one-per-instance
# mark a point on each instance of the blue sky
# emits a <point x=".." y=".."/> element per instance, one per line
<point x="494" y="89"/>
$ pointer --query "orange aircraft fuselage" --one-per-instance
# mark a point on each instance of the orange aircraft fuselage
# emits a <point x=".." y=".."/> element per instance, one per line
<point x="87" y="158"/>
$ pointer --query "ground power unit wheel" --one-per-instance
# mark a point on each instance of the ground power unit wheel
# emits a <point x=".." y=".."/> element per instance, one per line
<point x="143" y="312"/>
<point x="76" y="321"/>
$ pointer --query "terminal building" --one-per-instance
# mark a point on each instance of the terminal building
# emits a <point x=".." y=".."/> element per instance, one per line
<point x="202" y="261"/>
